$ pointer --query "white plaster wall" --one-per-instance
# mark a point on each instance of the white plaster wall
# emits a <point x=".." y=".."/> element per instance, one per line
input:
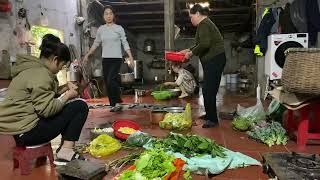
<point x="60" y="13"/>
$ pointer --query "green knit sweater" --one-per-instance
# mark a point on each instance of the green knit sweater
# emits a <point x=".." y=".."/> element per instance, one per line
<point x="209" y="41"/>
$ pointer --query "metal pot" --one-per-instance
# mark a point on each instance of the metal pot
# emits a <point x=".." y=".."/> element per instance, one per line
<point x="127" y="78"/>
<point x="174" y="92"/>
<point x="140" y="92"/>
<point x="156" y="116"/>
<point x="138" y="69"/>
<point x="176" y="109"/>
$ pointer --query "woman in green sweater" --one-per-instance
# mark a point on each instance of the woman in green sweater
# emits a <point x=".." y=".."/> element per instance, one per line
<point x="209" y="48"/>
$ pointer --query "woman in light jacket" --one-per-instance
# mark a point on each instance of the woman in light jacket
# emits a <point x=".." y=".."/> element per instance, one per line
<point x="111" y="36"/>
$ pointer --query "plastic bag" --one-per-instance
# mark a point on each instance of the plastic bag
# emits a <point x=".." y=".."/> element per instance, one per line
<point x="255" y="113"/>
<point x="138" y="139"/>
<point x="207" y="164"/>
<point x="103" y="145"/>
<point x="179" y="121"/>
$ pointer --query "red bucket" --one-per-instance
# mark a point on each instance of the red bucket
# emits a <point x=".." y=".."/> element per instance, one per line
<point x="174" y="56"/>
<point x="124" y="123"/>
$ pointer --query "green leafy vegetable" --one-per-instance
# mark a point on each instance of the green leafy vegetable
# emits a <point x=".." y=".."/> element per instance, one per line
<point x="138" y="139"/>
<point x="187" y="175"/>
<point x="241" y="123"/>
<point x="270" y="133"/>
<point x="154" y="165"/>
<point x="189" y="145"/>
<point x="244" y="123"/>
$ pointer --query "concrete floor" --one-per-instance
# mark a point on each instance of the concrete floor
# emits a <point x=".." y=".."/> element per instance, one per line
<point x="223" y="134"/>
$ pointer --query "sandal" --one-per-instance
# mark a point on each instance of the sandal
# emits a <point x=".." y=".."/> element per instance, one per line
<point x="75" y="156"/>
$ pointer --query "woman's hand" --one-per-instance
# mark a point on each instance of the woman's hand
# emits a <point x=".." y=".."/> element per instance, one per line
<point x="71" y="94"/>
<point x="130" y="62"/>
<point x="71" y="85"/>
<point x="184" y="51"/>
<point x="188" y="54"/>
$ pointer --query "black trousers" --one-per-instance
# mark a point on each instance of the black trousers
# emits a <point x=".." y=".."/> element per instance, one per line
<point x="212" y="71"/>
<point x="111" y="70"/>
<point x="68" y="123"/>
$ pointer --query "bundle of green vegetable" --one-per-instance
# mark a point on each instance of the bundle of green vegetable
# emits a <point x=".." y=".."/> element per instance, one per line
<point x="138" y="139"/>
<point x="242" y="123"/>
<point x="117" y="164"/>
<point x="189" y="145"/>
<point x="151" y="165"/>
<point x="269" y="133"/>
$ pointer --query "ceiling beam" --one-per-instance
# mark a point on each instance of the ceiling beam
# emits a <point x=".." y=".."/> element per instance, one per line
<point x="145" y="27"/>
<point x="215" y="18"/>
<point x="162" y="26"/>
<point x="216" y="10"/>
<point x="133" y="3"/>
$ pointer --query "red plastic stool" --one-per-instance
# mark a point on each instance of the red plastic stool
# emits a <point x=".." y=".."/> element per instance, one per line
<point x="23" y="156"/>
<point x="302" y="128"/>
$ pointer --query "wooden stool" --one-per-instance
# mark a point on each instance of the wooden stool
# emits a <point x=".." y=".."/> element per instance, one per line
<point x="301" y="129"/>
<point x="23" y="156"/>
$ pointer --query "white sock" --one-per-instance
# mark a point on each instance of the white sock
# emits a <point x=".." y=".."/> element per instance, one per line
<point x="65" y="153"/>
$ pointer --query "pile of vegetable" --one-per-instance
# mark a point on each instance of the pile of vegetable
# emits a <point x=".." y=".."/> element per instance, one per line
<point x="242" y="123"/>
<point x="189" y="145"/>
<point x="127" y="130"/>
<point x="138" y="139"/>
<point x="269" y="133"/>
<point x="151" y="165"/>
<point x="117" y="164"/>
<point x="178" y="121"/>
<point x="103" y="145"/>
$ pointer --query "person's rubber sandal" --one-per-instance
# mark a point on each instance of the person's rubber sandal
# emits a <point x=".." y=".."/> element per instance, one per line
<point x="183" y="96"/>
<point x="58" y="149"/>
<point x="116" y="109"/>
<point x="63" y="162"/>
<point x="204" y="117"/>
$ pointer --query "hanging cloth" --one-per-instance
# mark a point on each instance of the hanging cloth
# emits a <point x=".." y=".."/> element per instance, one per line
<point x="299" y="16"/>
<point x="313" y="16"/>
<point x="263" y="31"/>
<point x="285" y="22"/>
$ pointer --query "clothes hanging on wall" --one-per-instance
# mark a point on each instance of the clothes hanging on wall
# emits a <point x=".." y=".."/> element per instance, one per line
<point x="285" y="22"/>
<point x="313" y="19"/>
<point x="299" y="16"/>
<point x="95" y="13"/>
<point x="264" y="29"/>
<point x="276" y="12"/>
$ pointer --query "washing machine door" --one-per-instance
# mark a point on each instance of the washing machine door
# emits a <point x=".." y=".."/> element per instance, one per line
<point x="279" y="55"/>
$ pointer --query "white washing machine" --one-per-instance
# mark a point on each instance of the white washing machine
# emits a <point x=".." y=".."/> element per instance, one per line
<point x="277" y="45"/>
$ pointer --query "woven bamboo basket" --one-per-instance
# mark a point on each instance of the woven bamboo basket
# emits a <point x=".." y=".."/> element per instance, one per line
<point x="301" y="71"/>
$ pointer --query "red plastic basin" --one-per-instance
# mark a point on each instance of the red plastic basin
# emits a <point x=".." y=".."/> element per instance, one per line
<point x="174" y="56"/>
<point x="124" y="123"/>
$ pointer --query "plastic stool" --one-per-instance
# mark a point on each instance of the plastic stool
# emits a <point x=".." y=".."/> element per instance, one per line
<point x="302" y="128"/>
<point x="23" y="156"/>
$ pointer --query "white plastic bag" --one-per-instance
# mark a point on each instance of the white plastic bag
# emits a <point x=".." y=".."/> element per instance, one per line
<point x="256" y="112"/>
